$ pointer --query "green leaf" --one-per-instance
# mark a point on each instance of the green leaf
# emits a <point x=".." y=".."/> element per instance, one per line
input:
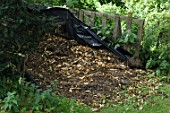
<point x="158" y="71"/>
<point x="126" y="39"/>
<point x="15" y="102"/>
<point x="37" y="99"/>
<point x="116" y="46"/>
<point x="103" y="38"/>
<point x="107" y="32"/>
<point x="99" y="32"/>
<point x="5" y="107"/>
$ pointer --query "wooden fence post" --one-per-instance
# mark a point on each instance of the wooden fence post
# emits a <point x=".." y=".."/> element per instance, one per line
<point x="104" y="19"/>
<point x="81" y="15"/>
<point x="117" y="31"/>
<point x="135" y="61"/>
<point x="128" y="29"/>
<point x="92" y="17"/>
<point x="140" y="32"/>
<point x="129" y="22"/>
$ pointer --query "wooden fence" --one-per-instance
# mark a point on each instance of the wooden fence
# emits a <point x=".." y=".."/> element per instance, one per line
<point x="88" y="17"/>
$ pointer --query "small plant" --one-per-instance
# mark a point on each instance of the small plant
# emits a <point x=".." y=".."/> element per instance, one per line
<point x="10" y="102"/>
<point x="106" y="34"/>
<point x="128" y="37"/>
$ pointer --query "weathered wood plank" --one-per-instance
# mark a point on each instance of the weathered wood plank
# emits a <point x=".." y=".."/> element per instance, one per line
<point x="129" y="22"/>
<point x="92" y="19"/>
<point x="90" y="15"/>
<point x="140" y="33"/>
<point x="98" y="14"/>
<point x="117" y="31"/>
<point x="81" y="15"/>
<point x="128" y="29"/>
<point x="112" y="16"/>
<point x="104" y="19"/>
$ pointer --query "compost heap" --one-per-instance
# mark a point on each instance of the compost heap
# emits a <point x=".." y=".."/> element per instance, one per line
<point x="83" y="73"/>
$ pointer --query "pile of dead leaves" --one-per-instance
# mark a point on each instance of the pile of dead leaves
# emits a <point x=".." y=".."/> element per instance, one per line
<point x="95" y="77"/>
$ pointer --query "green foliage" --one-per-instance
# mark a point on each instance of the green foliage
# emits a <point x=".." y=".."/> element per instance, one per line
<point x="10" y="102"/>
<point x="107" y="35"/>
<point x="49" y="2"/>
<point x="109" y="8"/>
<point x="128" y="37"/>
<point x="155" y="42"/>
<point x="82" y="4"/>
<point x="21" y="31"/>
<point x="25" y="97"/>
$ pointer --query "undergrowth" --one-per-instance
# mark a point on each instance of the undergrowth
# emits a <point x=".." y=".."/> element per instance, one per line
<point x="21" y="97"/>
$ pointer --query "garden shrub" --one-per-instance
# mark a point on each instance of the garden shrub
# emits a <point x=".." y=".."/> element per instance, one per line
<point x="21" y="29"/>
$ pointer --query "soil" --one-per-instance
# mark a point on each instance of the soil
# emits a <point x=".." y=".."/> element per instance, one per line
<point x="85" y="74"/>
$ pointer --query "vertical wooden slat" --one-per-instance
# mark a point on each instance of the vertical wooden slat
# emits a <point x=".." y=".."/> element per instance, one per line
<point x="104" y="19"/>
<point x="138" y="43"/>
<point x="92" y="18"/>
<point x="88" y="19"/>
<point x="90" y="15"/>
<point x="129" y="22"/>
<point x="135" y="61"/>
<point x="117" y="31"/>
<point x="81" y="15"/>
<point x="76" y="12"/>
<point x="128" y="29"/>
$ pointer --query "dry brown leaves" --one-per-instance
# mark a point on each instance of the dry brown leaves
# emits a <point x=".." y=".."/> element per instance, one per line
<point x="95" y="77"/>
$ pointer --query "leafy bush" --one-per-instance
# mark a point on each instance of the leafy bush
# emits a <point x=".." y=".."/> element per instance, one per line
<point x="49" y="2"/>
<point x="82" y="4"/>
<point x="156" y="38"/>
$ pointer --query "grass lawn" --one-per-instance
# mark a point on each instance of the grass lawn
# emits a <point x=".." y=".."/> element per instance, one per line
<point x="158" y="103"/>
